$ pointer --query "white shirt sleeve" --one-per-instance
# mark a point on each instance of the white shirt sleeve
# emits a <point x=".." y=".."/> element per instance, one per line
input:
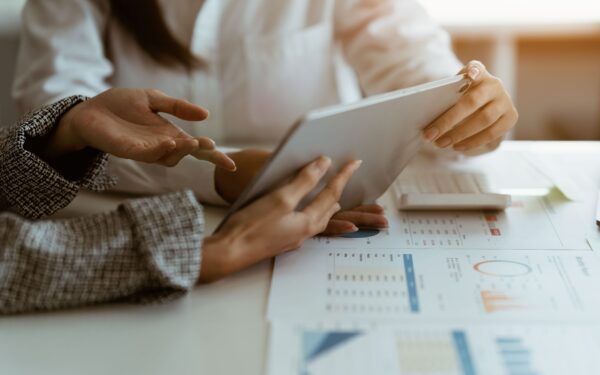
<point x="392" y="44"/>
<point x="150" y="179"/>
<point x="61" y="52"/>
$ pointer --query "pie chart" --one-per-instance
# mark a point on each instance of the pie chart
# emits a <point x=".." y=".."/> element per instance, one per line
<point x="502" y="268"/>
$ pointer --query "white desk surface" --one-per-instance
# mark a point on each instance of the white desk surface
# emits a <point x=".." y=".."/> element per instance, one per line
<point x="216" y="329"/>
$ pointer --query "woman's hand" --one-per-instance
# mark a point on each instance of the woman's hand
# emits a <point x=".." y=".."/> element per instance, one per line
<point x="126" y="123"/>
<point x="481" y="117"/>
<point x="271" y="225"/>
<point x="370" y="216"/>
<point x="231" y="184"/>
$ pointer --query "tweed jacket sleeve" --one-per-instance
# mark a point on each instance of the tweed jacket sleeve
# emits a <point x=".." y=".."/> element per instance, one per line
<point x="147" y="250"/>
<point x="29" y="186"/>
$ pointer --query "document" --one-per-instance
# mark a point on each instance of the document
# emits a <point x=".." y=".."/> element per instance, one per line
<point x="441" y="293"/>
<point x="574" y="181"/>
<point x="330" y="348"/>
<point x="437" y="285"/>
<point x="532" y="223"/>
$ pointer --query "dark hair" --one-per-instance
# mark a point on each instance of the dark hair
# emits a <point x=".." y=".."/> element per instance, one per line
<point x="144" y="20"/>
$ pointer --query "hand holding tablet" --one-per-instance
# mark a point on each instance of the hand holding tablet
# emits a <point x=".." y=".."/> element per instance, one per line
<point x="383" y="131"/>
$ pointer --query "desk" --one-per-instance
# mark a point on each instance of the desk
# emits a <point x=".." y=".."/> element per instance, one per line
<point x="216" y="329"/>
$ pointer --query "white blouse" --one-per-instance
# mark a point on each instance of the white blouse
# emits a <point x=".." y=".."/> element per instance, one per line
<point x="267" y="62"/>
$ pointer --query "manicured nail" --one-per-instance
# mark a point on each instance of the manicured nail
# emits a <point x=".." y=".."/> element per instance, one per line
<point x="474" y="72"/>
<point x="322" y="164"/>
<point x="352" y="228"/>
<point x="443" y="142"/>
<point x="431" y="134"/>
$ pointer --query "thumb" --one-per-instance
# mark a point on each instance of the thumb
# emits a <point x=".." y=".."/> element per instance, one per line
<point x="475" y="71"/>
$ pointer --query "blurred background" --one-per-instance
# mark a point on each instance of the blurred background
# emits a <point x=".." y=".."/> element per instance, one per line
<point x="547" y="52"/>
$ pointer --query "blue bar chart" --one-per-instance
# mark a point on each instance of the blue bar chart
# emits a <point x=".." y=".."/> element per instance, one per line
<point x="441" y="349"/>
<point x="516" y="357"/>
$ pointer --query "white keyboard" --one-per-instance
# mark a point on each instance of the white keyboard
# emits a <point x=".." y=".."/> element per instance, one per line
<point x="442" y="190"/>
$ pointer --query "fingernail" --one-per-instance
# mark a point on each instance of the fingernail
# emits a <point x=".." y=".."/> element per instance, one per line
<point x="474" y="72"/>
<point x="443" y="142"/>
<point x="357" y="164"/>
<point x="431" y="134"/>
<point x="352" y="228"/>
<point x="460" y="148"/>
<point x="322" y="164"/>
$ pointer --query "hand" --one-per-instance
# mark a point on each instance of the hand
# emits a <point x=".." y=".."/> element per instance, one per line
<point x="126" y="123"/>
<point x="348" y="221"/>
<point x="231" y="184"/>
<point x="481" y="117"/>
<point x="271" y="225"/>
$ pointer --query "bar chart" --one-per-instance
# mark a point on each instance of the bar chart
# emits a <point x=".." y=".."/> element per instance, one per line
<point x="384" y="283"/>
<point x="400" y="284"/>
<point x="319" y="348"/>
<point x="515" y="356"/>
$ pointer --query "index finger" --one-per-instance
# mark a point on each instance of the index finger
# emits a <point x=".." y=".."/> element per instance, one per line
<point x="305" y="181"/>
<point x="160" y="102"/>
<point x="218" y="158"/>
<point x="331" y="193"/>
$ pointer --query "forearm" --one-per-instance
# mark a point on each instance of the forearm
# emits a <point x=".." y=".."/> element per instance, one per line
<point x="392" y="44"/>
<point x="219" y="186"/>
<point x="147" y="179"/>
<point x="148" y="250"/>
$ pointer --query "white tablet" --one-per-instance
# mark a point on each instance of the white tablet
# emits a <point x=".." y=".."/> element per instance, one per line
<point x="383" y="131"/>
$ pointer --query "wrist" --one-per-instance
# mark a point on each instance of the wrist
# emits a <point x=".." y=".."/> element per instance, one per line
<point x="217" y="258"/>
<point x="229" y="184"/>
<point x="64" y="139"/>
